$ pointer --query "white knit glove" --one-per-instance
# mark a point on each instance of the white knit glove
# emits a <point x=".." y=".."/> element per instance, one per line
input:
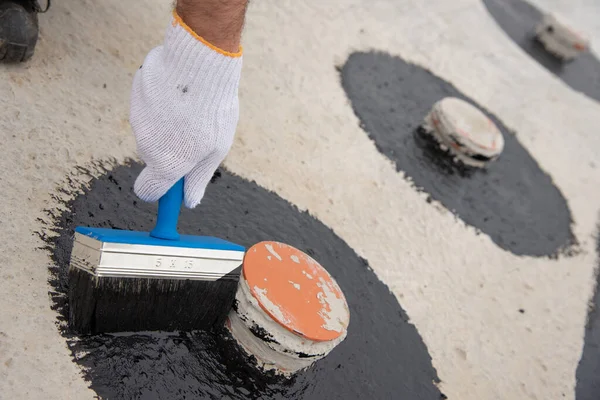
<point x="184" y="112"/>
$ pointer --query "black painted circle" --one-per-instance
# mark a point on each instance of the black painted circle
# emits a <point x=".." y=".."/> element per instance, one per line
<point x="519" y="19"/>
<point x="513" y="200"/>
<point x="588" y="370"/>
<point x="383" y="356"/>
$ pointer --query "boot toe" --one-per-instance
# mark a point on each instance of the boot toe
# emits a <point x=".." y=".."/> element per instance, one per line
<point x="18" y="32"/>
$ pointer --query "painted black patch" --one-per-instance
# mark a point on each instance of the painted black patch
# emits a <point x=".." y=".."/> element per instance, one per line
<point x="518" y="19"/>
<point x="588" y="370"/>
<point x="383" y="356"/>
<point x="513" y="201"/>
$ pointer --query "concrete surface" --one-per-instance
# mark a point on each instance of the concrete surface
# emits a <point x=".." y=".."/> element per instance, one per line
<point x="299" y="137"/>
<point x="588" y="384"/>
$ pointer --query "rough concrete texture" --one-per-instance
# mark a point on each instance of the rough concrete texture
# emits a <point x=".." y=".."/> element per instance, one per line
<point x="299" y="137"/>
<point x="519" y="19"/>
<point x="511" y="200"/>
<point x="588" y="370"/>
<point x="380" y="345"/>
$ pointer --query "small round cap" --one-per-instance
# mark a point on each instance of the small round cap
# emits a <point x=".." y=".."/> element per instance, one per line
<point x="560" y="38"/>
<point x="466" y="130"/>
<point x="295" y="291"/>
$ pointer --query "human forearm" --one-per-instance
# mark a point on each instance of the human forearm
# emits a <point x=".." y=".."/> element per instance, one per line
<point x="219" y="22"/>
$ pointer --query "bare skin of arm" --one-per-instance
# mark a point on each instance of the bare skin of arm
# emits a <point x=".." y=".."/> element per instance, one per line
<point x="220" y="22"/>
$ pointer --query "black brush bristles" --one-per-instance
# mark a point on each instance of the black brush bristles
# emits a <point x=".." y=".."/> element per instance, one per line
<point x="108" y="304"/>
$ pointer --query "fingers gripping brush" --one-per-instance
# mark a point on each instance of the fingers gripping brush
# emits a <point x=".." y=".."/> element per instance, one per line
<point x="127" y="281"/>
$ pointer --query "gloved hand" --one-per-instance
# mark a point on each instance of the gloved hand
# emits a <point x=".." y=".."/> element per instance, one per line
<point x="184" y="113"/>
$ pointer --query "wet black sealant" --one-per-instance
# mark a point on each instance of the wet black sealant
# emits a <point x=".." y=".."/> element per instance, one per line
<point x="519" y="19"/>
<point x="512" y="200"/>
<point x="383" y="356"/>
<point x="588" y="371"/>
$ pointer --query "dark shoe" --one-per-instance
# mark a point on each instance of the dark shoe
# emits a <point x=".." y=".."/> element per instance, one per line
<point x="18" y="29"/>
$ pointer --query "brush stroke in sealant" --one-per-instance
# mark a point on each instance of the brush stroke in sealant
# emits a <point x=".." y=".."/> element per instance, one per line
<point x="382" y="357"/>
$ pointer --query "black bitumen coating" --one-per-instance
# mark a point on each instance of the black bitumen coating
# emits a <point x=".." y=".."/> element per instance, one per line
<point x="383" y="356"/>
<point x="588" y="370"/>
<point x="512" y="200"/>
<point x="518" y="19"/>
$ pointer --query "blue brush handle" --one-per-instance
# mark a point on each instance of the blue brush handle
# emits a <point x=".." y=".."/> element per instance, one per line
<point x="168" y="213"/>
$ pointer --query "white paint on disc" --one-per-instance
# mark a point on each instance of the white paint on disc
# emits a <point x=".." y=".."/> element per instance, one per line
<point x="272" y="251"/>
<point x="334" y="311"/>
<point x="296" y="285"/>
<point x="273" y="308"/>
<point x="309" y="276"/>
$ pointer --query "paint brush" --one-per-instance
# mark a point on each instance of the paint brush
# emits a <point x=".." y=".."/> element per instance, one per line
<point x="127" y="281"/>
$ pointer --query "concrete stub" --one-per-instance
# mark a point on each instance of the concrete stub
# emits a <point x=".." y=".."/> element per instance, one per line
<point x="289" y="312"/>
<point x="559" y="38"/>
<point x="464" y="131"/>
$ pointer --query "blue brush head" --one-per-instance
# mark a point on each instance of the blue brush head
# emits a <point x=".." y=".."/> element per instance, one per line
<point x="165" y="231"/>
<point x="144" y="238"/>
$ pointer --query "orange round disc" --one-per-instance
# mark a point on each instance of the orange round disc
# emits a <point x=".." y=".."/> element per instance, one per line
<point x="296" y="291"/>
